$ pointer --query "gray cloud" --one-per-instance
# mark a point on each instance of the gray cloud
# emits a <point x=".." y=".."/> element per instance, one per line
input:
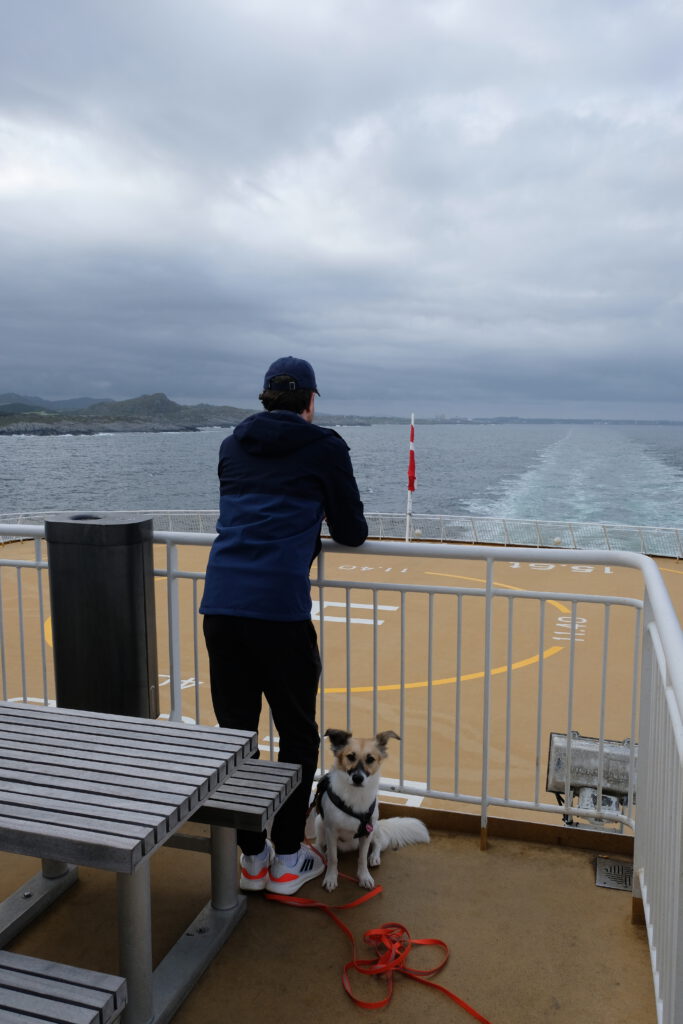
<point x="447" y="207"/>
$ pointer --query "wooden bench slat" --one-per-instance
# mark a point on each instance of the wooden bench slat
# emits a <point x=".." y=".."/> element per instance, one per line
<point x="137" y="731"/>
<point x="106" y="851"/>
<point x="257" y="765"/>
<point x="8" y="1017"/>
<point x="89" y="803"/>
<point x="99" y="782"/>
<point x="145" y="774"/>
<point x="87" y="824"/>
<point x="136" y="814"/>
<point x="250" y="797"/>
<point x="64" y="972"/>
<point x="247" y="799"/>
<point x="32" y="989"/>
<point x="93" y="800"/>
<point x="118" y="742"/>
<point x="275" y="783"/>
<point x="112" y="759"/>
<point x="58" y="1013"/>
<point x="43" y="988"/>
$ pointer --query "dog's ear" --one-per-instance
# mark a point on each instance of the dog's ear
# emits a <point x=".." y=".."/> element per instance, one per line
<point x="383" y="738"/>
<point x="338" y="738"/>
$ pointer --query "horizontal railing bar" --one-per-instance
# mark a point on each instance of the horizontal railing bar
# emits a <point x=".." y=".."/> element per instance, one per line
<point x="421" y="588"/>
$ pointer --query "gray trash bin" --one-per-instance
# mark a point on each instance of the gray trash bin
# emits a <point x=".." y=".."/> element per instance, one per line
<point x="101" y="575"/>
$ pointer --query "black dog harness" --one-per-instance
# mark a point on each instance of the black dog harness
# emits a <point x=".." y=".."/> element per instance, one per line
<point x="365" y="826"/>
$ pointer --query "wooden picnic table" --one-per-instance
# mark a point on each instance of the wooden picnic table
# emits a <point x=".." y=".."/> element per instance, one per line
<point x="106" y="791"/>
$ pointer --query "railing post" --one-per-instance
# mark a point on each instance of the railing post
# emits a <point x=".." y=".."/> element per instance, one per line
<point x="320" y="562"/>
<point x="643" y="825"/>
<point x="3" y="659"/>
<point x="41" y="615"/>
<point x="173" y="602"/>
<point x="488" y="639"/>
<point x="657" y="899"/>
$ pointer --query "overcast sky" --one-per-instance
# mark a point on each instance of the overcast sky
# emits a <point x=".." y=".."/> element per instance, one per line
<point x="459" y="207"/>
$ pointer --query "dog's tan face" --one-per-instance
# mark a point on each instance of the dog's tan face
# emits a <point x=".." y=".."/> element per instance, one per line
<point x="359" y="758"/>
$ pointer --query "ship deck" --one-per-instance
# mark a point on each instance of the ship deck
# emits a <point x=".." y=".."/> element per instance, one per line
<point x="532" y="938"/>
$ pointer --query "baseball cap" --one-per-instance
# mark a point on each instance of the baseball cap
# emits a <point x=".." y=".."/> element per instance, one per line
<point x="299" y="372"/>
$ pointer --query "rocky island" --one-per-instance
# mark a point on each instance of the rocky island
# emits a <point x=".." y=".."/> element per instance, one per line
<point x="148" y="414"/>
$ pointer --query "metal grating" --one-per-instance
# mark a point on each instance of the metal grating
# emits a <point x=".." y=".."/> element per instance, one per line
<point x="614" y="874"/>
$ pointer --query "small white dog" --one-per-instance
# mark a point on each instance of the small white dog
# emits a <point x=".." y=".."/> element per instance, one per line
<point x="347" y="815"/>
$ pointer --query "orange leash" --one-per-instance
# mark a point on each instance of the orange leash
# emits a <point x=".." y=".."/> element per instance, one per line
<point x="392" y="944"/>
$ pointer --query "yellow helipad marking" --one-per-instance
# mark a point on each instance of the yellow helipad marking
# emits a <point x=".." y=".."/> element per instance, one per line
<point x="547" y="653"/>
<point x="678" y="572"/>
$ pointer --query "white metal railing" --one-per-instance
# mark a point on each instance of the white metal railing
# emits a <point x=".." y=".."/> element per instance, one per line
<point x="664" y="541"/>
<point x="431" y="604"/>
<point x="448" y="678"/>
<point x="658" y="855"/>
<point x="535" y="533"/>
<point x="30" y="660"/>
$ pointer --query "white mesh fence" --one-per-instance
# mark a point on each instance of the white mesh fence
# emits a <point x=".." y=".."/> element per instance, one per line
<point x="665" y="541"/>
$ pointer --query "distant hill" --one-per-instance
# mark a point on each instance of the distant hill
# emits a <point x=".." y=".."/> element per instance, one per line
<point x="148" y="413"/>
<point x="159" y="408"/>
<point x="32" y="404"/>
<point x="155" y="406"/>
<point x="15" y="407"/>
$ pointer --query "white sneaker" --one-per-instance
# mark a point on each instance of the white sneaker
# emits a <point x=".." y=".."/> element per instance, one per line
<point x="254" y="870"/>
<point x="287" y="879"/>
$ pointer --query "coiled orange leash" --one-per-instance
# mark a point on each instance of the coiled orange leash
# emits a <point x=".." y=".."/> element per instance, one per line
<point x="392" y="944"/>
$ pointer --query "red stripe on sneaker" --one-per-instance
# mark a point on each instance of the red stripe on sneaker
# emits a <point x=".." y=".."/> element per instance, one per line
<point x="262" y="874"/>
<point x="284" y="878"/>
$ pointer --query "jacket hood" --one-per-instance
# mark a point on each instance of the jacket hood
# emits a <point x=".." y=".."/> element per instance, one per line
<point x="278" y="433"/>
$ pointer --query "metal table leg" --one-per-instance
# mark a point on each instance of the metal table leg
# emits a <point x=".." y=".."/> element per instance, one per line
<point x="135" y="943"/>
<point x="154" y="997"/>
<point x="224" y="889"/>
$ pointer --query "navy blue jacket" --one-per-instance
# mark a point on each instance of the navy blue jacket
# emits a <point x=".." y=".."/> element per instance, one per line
<point x="279" y="475"/>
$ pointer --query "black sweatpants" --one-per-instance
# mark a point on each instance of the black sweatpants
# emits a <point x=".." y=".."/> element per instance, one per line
<point x="254" y="658"/>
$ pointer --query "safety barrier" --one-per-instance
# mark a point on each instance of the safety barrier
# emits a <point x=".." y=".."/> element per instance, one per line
<point x="664" y="541"/>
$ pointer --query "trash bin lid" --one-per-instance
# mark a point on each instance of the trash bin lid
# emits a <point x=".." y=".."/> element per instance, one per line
<point x="97" y="528"/>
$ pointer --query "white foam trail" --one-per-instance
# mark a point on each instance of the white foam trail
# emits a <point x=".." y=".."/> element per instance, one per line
<point x="588" y="474"/>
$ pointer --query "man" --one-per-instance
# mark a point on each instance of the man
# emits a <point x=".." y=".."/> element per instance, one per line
<point x="280" y="475"/>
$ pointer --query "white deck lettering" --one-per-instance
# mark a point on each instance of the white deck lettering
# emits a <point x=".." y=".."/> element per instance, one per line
<point x="607" y="570"/>
<point x="563" y="628"/>
<point x="370" y="568"/>
<point x="315" y="612"/>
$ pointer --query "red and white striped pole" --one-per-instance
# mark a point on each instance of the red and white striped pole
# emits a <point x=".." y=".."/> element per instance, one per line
<point x="411" y="475"/>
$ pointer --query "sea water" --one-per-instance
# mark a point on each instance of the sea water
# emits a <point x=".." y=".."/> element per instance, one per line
<point x="555" y="472"/>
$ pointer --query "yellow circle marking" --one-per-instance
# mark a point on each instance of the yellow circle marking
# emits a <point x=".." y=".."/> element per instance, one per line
<point x="547" y="653"/>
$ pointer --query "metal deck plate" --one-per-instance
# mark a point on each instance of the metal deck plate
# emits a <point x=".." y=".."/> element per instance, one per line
<point x="614" y="874"/>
